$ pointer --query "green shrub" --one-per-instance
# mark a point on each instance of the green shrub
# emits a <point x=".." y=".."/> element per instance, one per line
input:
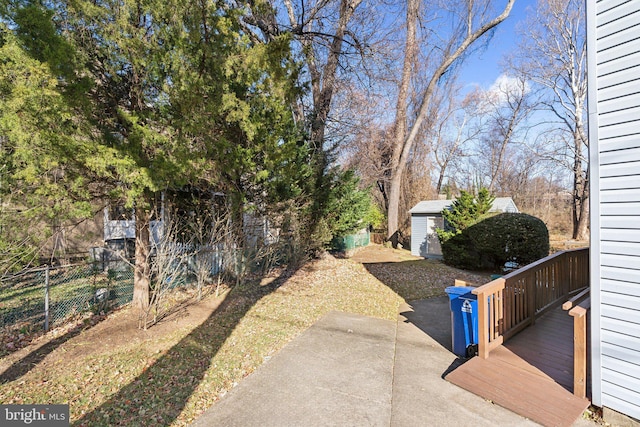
<point x="459" y="251"/>
<point x="466" y="210"/>
<point x="491" y="243"/>
<point x="348" y="208"/>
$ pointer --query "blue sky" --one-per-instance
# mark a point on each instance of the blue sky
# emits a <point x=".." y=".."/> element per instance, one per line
<point x="483" y="68"/>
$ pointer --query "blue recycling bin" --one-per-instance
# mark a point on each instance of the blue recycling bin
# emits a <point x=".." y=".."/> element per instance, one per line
<point x="464" y="320"/>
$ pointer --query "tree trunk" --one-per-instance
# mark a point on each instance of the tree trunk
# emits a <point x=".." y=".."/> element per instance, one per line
<point x="441" y="174"/>
<point x="581" y="223"/>
<point x="323" y="87"/>
<point x="142" y="269"/>
<point x="322" y="96"/>
<point x="402" y="144"/>
<point x="394" y="209"/>
<point x="580" y="201"/>
<point x="400" y="125"/>
<point x="581" y="179"/>
<point x="381" y="186"/>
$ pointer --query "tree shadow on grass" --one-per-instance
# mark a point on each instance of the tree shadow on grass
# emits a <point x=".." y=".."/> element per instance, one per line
<point x="421" y="279"/>
<point x="422" y="284"/>
<point x="160" y="393"/>
<point x="23" y="365"/>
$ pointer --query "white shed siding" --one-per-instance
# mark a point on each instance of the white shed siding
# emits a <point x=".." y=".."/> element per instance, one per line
<point x="424" y="239"/>
<point x="418" y="235"/>
<point x="614" y="135"/>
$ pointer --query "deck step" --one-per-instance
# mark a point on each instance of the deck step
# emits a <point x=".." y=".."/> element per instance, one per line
<point x="531" y="374"/>
<point x="509" y="381"/>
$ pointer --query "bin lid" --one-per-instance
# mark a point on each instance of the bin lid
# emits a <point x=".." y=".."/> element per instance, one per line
<point x="458" y="290"/>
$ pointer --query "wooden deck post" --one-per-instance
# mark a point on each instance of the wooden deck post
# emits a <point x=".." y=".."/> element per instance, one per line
<point x="483" y="333"/>
<point x="579" y="313"/>
<point x="490" y="312"/>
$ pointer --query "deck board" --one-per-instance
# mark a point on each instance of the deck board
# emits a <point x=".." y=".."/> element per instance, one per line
<point x="531" y="374"/>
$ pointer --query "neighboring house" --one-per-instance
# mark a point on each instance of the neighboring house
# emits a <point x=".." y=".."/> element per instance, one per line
<point x="613" y="30"/>
<point x="120" y="228"/>
<point x="426" y="217"/>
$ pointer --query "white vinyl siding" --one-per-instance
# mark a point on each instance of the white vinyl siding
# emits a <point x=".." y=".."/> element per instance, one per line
<point x="418" y="235"/>
<point x="621" y="222"/>
<point x="424" y="241"/>
<point x="618" y="287"/>
<point x="614" y="137"/>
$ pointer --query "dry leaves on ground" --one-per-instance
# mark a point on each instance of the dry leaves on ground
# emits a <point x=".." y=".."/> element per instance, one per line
<point x="115" y="374"/>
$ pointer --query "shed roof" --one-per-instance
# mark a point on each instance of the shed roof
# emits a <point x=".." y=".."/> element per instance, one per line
<point x="500" y="204"/>
<point x="430" y="206"/>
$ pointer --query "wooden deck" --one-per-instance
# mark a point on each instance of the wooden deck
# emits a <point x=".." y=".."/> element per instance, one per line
<point x="531" y="374"/>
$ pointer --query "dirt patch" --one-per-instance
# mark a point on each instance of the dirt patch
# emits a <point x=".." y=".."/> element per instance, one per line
<point x="122" y="329"/>
<point x="95" y="334"/>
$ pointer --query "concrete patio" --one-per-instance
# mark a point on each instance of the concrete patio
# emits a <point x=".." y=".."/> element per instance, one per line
<point x="359" y="371"/>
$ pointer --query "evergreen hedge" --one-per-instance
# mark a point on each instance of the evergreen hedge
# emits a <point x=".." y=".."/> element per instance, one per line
<point x="492" y="242"/>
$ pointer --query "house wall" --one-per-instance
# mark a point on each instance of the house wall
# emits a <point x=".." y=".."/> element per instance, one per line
<point x="126" y="229"/>
<point x="613" y="35"/>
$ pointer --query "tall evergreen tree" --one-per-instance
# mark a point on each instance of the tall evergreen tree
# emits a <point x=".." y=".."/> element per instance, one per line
<point x="165" y="95"/>
<point x="41" y="182"/>
<point x="465" y="211"/>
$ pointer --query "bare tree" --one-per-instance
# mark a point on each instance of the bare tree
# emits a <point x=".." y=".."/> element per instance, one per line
<point x="333" y="40"/>
<point x="506" y="105"/>
<point x="329" y="37"/>
<point x="472" y="21"/>
<point x="166" y="269"/>
<point x="197" y="246"/>
<point x="554" y="50"/>
<point x="209" y="237"/>
<point x="455" y="127"/>
<point x="369" y="154"/>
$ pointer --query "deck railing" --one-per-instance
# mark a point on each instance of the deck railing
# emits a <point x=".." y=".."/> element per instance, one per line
<point x="579" y="307"/>
<point x="514" y="301"/>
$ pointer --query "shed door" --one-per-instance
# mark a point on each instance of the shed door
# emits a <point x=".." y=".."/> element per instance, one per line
<point x="419" y="235"/>
<point x="433" y="243"/>
<point x="424" y="240"/>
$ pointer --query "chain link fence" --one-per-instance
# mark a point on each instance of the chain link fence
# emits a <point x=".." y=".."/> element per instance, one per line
<point x="48" y="296"/>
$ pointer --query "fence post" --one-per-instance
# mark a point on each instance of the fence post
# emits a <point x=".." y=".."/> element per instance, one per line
<point x="46" y="299"/>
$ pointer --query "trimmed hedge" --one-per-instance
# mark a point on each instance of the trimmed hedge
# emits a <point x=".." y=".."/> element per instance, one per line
<point x="494" y="241"/>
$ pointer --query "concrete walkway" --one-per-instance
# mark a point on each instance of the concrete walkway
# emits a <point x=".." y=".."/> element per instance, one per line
<point x="351" y="370"/>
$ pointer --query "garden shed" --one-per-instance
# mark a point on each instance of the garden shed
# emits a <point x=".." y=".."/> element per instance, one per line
<point x="426" y="217"/>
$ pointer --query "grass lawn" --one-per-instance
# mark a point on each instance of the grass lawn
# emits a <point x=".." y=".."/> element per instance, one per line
<point x="71" y="291"/>
<point x="111" y="373"/>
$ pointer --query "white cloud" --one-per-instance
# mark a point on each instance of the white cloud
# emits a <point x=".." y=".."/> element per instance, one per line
<point x="506" y="86"/>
